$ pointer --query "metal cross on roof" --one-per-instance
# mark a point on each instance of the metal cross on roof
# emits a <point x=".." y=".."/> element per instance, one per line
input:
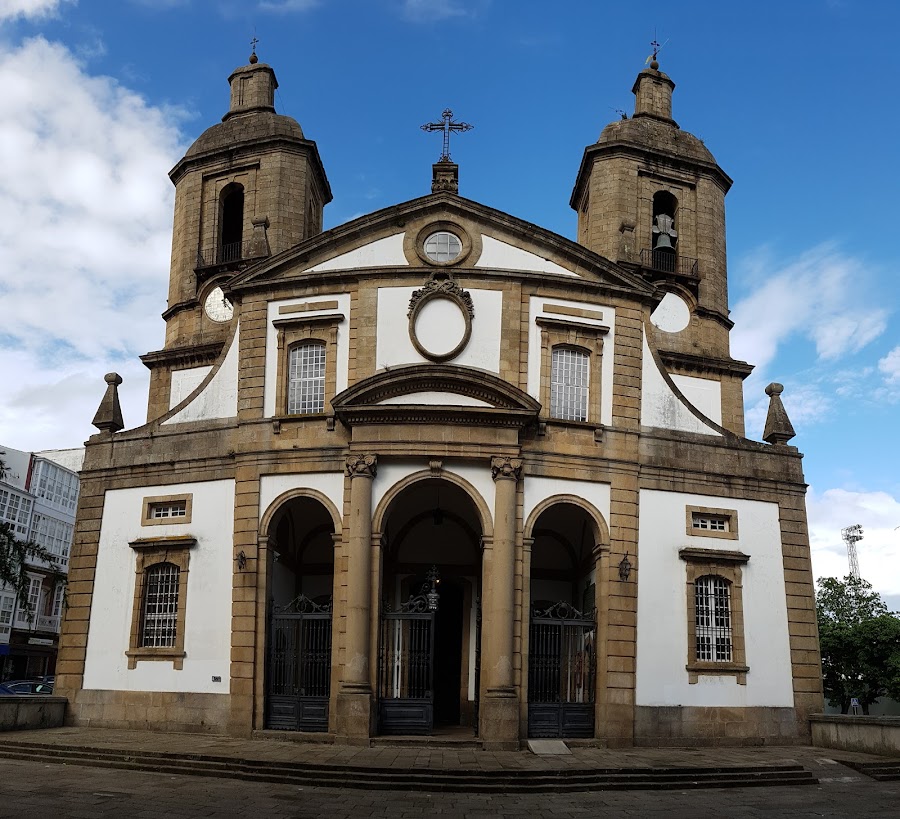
<point x="447" y="125"/>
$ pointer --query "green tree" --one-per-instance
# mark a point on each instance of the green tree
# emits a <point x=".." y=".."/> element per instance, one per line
<point x="15" y="556"/>
<point x="860" y="641"/>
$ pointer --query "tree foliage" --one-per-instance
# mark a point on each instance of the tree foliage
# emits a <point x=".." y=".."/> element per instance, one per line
<point x="860" y="642"/>
<point x="16" y="555"/>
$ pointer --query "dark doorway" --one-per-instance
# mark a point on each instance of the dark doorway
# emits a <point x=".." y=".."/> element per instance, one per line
<point x="448" y="643"/>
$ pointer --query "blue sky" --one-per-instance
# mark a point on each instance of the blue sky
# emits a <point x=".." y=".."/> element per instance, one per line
<point x="797" y="101"/>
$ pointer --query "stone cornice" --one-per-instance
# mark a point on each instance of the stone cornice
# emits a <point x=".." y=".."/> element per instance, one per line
<point x="707" y="364"/>
<point x="196" y="355"/>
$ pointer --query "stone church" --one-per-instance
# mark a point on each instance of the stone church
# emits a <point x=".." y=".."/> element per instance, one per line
<point x="439" y="470"/>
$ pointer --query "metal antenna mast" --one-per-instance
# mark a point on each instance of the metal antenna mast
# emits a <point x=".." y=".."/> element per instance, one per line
<point x="852" y="535"/>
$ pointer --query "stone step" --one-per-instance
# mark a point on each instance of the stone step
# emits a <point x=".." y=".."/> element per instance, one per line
<point x="480" y="781"/>
<point x="888" y="771"/>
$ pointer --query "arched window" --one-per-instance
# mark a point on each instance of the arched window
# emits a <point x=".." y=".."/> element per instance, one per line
<point x="306" y="378"/>
<point x="569" y="377"/>
<point x="665" y="235"/>
<point x="712" y="614"/>
<point x="232" y="223"/>
<point x="159" y="621"/>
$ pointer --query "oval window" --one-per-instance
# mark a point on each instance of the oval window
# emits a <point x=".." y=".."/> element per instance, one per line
<point x="442" y="246"/>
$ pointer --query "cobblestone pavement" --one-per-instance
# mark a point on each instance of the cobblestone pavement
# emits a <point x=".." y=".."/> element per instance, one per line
<point x="34" y="790"/>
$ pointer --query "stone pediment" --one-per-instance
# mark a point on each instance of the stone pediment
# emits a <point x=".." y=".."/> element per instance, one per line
<point x="383" y="240"/>
<point x="435" y="394"/>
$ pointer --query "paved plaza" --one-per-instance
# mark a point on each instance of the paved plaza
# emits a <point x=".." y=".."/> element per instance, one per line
<point x="59" y="791"/>
<point x="31" y="790"/>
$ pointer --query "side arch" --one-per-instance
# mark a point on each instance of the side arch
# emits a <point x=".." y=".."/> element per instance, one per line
<point x="484" y="513"/>
<point x="601" y="528"/>
<point x="268" y="516"/>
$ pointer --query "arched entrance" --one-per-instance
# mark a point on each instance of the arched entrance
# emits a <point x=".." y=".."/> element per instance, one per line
<point x="563" y="625"/>
<point x="298" y="647"/>
<point x="430" y="622"/>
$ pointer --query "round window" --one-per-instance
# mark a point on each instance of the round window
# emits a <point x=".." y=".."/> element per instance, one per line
<point x="442" y="246"/>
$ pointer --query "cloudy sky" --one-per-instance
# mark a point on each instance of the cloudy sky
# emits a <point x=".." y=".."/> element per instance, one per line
<point x="796" y="100"/>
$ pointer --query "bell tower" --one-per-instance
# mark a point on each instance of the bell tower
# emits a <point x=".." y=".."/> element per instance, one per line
<point x="248" y="188"/>
<point x="651" y="197"/>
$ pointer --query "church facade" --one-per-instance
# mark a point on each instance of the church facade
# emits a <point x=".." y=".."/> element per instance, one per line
<point x="441" y="469"/>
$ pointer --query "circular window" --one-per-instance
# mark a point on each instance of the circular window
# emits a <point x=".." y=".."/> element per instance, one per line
<point x="443" y="246"/>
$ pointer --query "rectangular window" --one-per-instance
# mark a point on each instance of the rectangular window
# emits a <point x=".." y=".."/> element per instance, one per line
<point x="713" y="619"/>
<point x="160" y="618"/>
<point x="569" y="377"/>
<point x="712" y="523"/>
<point x="306" y="379"/>
<point x="175" y="509"/>
<point x="161" y="509"/>
<point x="15" y="509"/>
<point x="6" y="609"/>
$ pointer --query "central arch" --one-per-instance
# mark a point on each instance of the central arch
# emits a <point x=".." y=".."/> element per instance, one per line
<point x="431" y="532"/>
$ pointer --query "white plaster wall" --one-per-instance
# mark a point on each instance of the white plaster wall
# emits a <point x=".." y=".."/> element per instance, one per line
<point x="330" y="484"/>
<point x="207" y="640"/>
<point x="500" y="255"/>
<point x="536" y="310"/>
<point x="219" y="397"/>
<point x="662" y="605"/>
<point x="394" y="346"/>
<point x="450" y="399"/>
<point x="660" y="407"/>
<point x="539" y="489"/>
<point x="184" y="382"/>
<point x="387" y="252"/>
<point x="704" y="393"/>
<point x="393" y="472"/>
<point x="343" y="342"/>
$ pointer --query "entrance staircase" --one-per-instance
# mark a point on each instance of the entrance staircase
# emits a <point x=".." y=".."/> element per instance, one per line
<point x="516" y="781"/>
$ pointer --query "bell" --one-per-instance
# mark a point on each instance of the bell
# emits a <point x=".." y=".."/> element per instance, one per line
<point x="663" y="242"/>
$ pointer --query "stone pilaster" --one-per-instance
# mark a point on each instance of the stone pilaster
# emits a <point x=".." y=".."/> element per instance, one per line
<point x="355" y="702"/>
<point x="500" y="707"/>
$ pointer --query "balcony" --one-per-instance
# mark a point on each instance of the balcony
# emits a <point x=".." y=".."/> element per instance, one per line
<point x="669" y="264"/>
<point x="230" y="254"/>
<point x="40" y="622"/>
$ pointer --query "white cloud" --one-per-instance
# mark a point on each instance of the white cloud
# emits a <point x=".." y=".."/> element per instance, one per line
<point x="85" y="224"/>
<point x="890" y="366"/>
<point x="429" y="11"/>
<point x="819" y="296"/>
<point x="879" y="552"/>
<point x="11" y="9"/>
<point x="283" y="6"/>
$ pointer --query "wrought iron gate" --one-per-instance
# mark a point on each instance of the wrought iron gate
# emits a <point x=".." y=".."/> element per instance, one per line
<point x="406" y="668"/>
<point x="299" y="672"/>
<point x="561" y="672"/>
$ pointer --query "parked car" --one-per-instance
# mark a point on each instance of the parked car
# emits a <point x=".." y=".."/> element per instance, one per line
<point x="27" y="687"/>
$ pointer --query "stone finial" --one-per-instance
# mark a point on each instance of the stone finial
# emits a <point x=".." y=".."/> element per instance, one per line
<point x="109" y="413"/>
<point x="445" y="177"/>
<point x="778" y="426"/>
<point x="259" y="243"/>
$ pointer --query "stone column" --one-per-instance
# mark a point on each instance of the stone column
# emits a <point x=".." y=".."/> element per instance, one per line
<point x="500" y="708"/>
<point x="354" y="701"/>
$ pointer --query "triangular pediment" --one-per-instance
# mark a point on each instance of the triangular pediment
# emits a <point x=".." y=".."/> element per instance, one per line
<point x="381" y="241"/>
<point x="435" y="393"/>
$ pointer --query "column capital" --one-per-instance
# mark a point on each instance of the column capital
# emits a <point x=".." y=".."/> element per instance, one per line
<point x="503" y="468"/>
<point x="362" y="466"/>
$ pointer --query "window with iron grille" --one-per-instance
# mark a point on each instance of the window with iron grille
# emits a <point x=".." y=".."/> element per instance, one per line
<point x="306" y="379"/>
<point x="160" y="616"/>
<point x="713" y="619"/>
<point x="569" y="384"/>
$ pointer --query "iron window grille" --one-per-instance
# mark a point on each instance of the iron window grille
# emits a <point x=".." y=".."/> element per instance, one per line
<point x="160" y="621"/>
<point x="713" y="619"/>
<point x="306" y="379"/>
<point x="569" y="377"/>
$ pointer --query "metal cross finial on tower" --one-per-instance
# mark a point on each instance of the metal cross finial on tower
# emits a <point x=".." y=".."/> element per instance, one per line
<point x="447" y="125"/>
<point x="253" y="57"/>
<point x="852" y="535"/>
<point x="657" y="47"/>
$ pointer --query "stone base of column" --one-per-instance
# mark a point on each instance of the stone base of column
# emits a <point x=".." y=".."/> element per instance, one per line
<point x="499" y="718"/>
<point x="355" y="717"/>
